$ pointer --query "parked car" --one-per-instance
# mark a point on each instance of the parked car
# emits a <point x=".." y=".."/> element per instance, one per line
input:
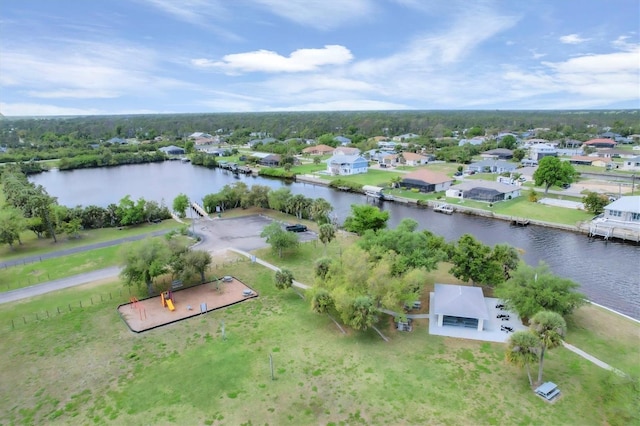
<point x="298" y="227"/>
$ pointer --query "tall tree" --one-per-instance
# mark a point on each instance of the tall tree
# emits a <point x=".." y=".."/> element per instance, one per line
<point x="320" y="209"/>
<point x="279" y="238"/>
<point x="181" y="204"/>
<point x="552" y="171"/>
<point x="362" y="313"/>
<point x="531" y="290"/>
<point x="283" y="279"/>
<point x="522" y="350"/>
<point x="364" y="217"/>
<point x="144" y="261"/>
<point x="12" y="223"/>
<point x="549" y="328"/>
<point x="326" y="235"/>
<point x="197" y="261"/>
<point x="471" y="261"/>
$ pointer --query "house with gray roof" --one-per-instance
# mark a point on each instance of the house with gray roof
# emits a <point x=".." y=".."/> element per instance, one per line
<point x="172" y="150"/>
<point x="340" y="164"/>
<point x="459" y="306"/>
<point x="631" y="163"/>
<point x="498" y="154"/>
<point x="484" y="190"/>
<point x="625" y="209"/>
<point x="342" y="140"/>
<point x="492" y="166"/>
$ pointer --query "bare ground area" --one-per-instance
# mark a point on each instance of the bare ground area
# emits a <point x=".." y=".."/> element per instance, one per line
<point x="149" y="313"/>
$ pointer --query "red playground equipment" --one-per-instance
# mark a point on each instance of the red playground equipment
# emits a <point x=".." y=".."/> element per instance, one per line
<point x="135" y="304"/>
<point x="167" y="300"/>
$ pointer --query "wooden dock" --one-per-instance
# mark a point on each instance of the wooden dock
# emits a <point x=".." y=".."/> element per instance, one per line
<point x="614" y="230"/>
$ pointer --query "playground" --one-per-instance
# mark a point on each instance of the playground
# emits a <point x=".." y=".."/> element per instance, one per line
<point x="172" y="306"/>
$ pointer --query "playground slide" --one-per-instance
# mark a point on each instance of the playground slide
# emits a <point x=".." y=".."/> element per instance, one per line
<point x="170" y="305"/>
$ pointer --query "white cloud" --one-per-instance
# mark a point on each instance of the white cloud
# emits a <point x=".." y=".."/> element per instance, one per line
<point x="30" y="109"/>
<point x="536" y="55"/>
<point x="268" y="61"/>
<point x="320" y="14"/>
<point x="573" y="39"/>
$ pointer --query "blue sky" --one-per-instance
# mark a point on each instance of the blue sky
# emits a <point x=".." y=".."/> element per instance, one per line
<point x="69" y="57"/>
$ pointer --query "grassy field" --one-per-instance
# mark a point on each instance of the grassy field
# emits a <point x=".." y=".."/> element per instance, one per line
<point x="85" y="367"/>
<point x="32" y="246"/>
<point x="19" y="276"/>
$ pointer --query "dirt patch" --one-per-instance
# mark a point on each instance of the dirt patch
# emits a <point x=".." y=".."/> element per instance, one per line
<point x="149" y="313"/>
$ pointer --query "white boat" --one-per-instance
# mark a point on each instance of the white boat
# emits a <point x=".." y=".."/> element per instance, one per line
<point x="443" y="208"/>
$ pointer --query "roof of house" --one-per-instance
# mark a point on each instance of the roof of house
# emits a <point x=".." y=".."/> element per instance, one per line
<point x="271" y="157"/>
<point x="586" y="158"/>
<point x="459" y="301"/>
<point x="346" y="151"/>
<point x="600" y="141"/>
<point x="630" y="203"/>
<point x="342" y="139"/>
<point x="346" y="159"/>
<point x="499" y="151"/>
<point x="171" y="148"/>
<point x="497" y="163"/>
<point x="319" y="148"/>
<point x="468" y="185"/>
<point x="427" y="176"/>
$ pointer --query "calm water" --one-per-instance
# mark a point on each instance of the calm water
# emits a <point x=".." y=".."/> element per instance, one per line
<point x="608" y="272"/>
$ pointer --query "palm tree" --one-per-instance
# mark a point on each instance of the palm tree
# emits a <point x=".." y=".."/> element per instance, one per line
<point x="549" y="328"/>
<point x="523" y="350"/>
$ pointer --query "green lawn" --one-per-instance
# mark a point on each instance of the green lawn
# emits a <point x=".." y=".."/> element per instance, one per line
<point x="85" y="367"/>
<point x="372" y="177"/>
<point x="32" y="246"/>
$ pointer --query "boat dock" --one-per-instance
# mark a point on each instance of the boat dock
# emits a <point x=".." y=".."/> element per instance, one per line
<point x="443" y="208"/>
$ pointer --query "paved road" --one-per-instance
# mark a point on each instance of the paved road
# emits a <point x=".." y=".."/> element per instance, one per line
<point x="67" y="252"/>
<point x="216" y="235"/>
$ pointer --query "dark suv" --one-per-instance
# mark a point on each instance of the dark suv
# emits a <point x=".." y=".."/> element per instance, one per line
<point x="298" y="227"/>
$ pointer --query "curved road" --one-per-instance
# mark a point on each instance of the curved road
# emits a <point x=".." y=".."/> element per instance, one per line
<point x="67" y="252"/>
<point x="216" y="236"/>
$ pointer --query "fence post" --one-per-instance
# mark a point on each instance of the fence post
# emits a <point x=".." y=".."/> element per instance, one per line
<point x="24" y="319"/>
<point x="92" y="300"/>
<point x="69" y="307"/>
<point x="110" y="296"/>
<point x="58" y="308"/>
<point x="37" y="318"/>
<point x="101" y="298"/>
<point x="81" y="303"/>
<point x="47" y="313"/>
<point x="13" y="326"/>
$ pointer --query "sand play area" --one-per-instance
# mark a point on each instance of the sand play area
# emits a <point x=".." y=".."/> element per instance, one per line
<point x="189" y="302"/>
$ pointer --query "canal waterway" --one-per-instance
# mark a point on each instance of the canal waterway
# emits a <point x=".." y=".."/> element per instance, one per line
<point x="608" y="272"/>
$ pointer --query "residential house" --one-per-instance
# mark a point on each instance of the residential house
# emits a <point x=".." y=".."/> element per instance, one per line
<point x="406" y="159"/>
<point x="492" y="166"/>
<point x="631" y="163"/>
<point x="590" y="161"/>
<point x="387" y="145"/>
<point x="318" y="150"/>
<point x="539" y="151"/>
<point x="625" y="209"/>
<point x="342" y="140"/>
<point x="426" y="181"/>
<point x="484" y="190"/>
<point x="343" y="150"/>
<point x="601" y="143"/>
<point x="196" y="135"/>
<point x="344" y="165"/>
<point x="117" y="141"/>
<point x="377" y="155"/>
<point x="477" y="140"/>
<point x="405" y="137"/>
<point x="271" y="160"/>
<point x="498" y="154"/>
<point x="172" y="150"/>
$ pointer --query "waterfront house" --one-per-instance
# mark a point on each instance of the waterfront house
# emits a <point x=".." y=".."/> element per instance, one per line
<point x="484" y="190"/>
<point x="271" y="160"/>
<point x="625" y="210"/>
<point x="426" y="181"/>
<point x="343" y="150"/>
<point x="172" y="150"/>
<point x="340" y="164"/>
<point x="342" y="140"/>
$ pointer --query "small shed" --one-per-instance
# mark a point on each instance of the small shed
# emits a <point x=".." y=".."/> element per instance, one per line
<point x="459" y="306"/>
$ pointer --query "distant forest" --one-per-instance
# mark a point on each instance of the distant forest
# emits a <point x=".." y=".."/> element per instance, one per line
<point x="428" y="124"/>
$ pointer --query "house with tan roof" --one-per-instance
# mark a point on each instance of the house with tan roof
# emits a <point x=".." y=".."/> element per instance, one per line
<point x="318" y="150"/>
<point x="601" y="143"/>
<point x="590" y="161"/>
<point x="405" y="159"/>
<point x="426" y="181"/>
